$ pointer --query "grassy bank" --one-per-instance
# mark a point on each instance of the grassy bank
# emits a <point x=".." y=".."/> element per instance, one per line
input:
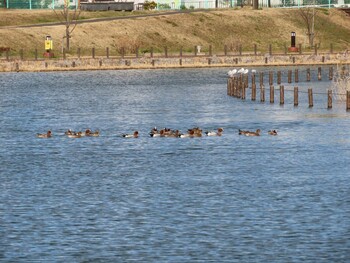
<point x="231" y="27"/>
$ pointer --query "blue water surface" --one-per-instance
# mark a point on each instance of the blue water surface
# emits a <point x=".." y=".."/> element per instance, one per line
<point x="233" y="198"/>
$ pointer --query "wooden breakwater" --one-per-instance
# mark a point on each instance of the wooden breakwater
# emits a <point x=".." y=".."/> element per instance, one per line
<point x="238" y="85"/>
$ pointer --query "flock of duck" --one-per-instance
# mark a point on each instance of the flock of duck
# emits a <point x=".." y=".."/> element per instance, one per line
<point x="165" y="132"/>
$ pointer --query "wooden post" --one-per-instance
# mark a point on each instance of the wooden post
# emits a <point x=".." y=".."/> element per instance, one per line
<point x="17" y="67"/>
<point x="240" y="50"/>
<point x="166" y="51"/>
<point x="296" y="76"/>
<point x="271" y="78"/>
<point x="278" y="77"/>
<point x="281" y="95"/>
<point x="93" y="52"/>
<point x="272" y="94"/>
<point x="262" y="93"/>
<point x="261" y="76"/>
<point x="270" y="49"/>
<point x="153" y="62"/>
<point x="289" y="76"/>
<point x="311" y="100"/>
<point x="209" y="61"/>
<point x="195" y="50"/>
<point x="323" y="59"/>
<point x="266" y="60"/>
<point x="210" y="50"/>
<point x="319" y="74"/>
<point x="36" y="54"/>
<point x="107" y="52"/>
<point x="330" y="73"/>
<point x="347" y="100"/>
<point x="255" y="49"/>
<point x="100" y="62"/>
<point x="225" y="50"/>
<point x="253" y="78"/>
<point x="78" y="51"/>
<point x="73" y="64"/>
<point x="180" y="61"/>
<point x="296" y="97"/>
<point x="253" y="91"/>
<point x="308" y="74"/>
<point x="243" y="91"/>
<point x="329" y="99"/>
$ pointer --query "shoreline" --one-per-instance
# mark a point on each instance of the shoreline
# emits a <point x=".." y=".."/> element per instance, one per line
<point x="100" y="63"/>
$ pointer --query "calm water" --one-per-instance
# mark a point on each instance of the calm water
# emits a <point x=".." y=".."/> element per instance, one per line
<point x="233" y="198"/>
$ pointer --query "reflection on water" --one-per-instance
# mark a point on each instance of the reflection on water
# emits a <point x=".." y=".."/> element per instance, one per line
<point x="232" y="198"/>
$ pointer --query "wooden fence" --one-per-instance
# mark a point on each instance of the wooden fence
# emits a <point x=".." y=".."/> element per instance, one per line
<point x="237" y="87"/>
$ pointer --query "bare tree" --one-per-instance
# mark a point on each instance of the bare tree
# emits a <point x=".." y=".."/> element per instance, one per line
<point x="308" y="15"/>
<point x="68" y="17"/>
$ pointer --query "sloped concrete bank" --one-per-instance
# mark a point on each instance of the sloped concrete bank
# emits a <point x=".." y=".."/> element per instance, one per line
<point x="76" y="64"/>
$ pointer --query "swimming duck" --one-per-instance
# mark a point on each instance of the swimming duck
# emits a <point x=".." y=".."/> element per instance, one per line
<point x="189" y="134"/>
<point x="215" y="133"/>
<point x="88" y="132"/>
<point x="75" y="135"/>
<point x="68" y="132"/>
<point x="272" y="132"/>
<point x="44" y="135"/>
<point x="134" y="135"/>
<point x="242" y="132"/>
<point x="250" y="133"/>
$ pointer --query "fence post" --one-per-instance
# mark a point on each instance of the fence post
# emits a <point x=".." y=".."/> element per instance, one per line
<point x="210" y="50"/>
<point x="296" y="76"/>
<point x="278" y="77"/>
<point x="262" y="93"/>
<point x="180" y="61"/>
<point x="254" y="91"/>
<point x="296" y="96"/>
<point x="93" y="52"/>
<point x="272" y="94"/>
<point x="311" y="100"/>
<point x="289" y="76"/>
<point x="271" y="78"/>
<point x="330" y="73"/>
<point x="261" y="76"/>
<point x="347" y="100"/>
<point x="255" y="49"/>
<point x="319" y="74"/>
<point x="308" y="74"/>
<point x="270" y="49"/>
<point x="107" y="52"/>
<point x="240" y="50"/>
<point x="281" y="95"/>
<point x="329" y="99"/>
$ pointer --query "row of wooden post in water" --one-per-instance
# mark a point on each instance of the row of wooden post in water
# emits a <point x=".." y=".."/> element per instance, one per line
<point x="237" y="86"/>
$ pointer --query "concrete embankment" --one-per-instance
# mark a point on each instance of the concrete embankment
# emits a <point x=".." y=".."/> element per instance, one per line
<point x="118" y="63"/>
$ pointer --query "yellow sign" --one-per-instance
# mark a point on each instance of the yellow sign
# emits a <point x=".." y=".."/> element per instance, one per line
<point x="48" y="45"/>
